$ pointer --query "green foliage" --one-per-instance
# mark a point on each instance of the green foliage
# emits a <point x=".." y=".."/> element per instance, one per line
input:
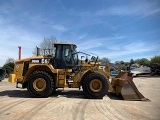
<point x="132" y="61"/>
<point x="126" y="63"/>
<point x="9" y="66"/>
<point x="122" y="65"/>
<point x="142" y="61"/>
<point x="155" y="59"/>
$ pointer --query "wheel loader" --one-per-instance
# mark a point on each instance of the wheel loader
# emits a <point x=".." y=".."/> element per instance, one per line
<point x="42" y="75"/>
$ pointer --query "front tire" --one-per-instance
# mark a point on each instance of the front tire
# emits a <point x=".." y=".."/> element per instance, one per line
<point x="40" y="84"/>
<point x="95" y="85"/>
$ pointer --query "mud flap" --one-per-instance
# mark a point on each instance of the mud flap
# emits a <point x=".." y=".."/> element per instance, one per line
<point x="123" y="84"/>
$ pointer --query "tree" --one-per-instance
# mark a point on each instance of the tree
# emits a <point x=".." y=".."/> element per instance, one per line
<point x="132" y="61"/>
<point x="10" y="60"/>
<point x="155" y="59"/>
<point x="46" y="46"/>
<point x="104" y="60"/>
<point x="142" y="61"/>
<point x="121" y="65"/>
<point x="119" y="62"/>
<point x="9" y="66"/>
<point x="127" y="63"/>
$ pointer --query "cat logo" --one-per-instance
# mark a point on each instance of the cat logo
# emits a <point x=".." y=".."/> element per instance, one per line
<point x="35" y="61"/>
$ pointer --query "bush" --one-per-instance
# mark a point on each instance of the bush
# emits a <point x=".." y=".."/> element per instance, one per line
<point x="8" y="67"/>
<point x="155" y="59"/>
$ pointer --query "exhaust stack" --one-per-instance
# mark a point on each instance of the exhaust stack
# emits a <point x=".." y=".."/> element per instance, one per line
<point x="38" y="51"/>
<point x="20" y="52"/>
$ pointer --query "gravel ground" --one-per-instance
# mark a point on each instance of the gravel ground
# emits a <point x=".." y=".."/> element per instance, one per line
<point x="70" y="104"/>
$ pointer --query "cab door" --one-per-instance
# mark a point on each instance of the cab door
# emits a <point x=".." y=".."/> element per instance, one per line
<point x="63" y="57"/>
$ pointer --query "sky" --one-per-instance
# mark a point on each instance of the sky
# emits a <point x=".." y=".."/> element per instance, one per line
<point x="116" y="29"/>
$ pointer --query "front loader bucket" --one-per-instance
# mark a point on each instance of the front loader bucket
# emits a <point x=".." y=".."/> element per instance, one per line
<point x="123" y="84"/>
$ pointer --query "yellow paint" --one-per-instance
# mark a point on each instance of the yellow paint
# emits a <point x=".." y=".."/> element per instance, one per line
<point x="39" y="84"/>
<point x="61" y="77"/>
<point x="75" y="85"/>
<point x="61" y="82"/>
<point x="12" y="78"/>
<point x="95" y="85"/>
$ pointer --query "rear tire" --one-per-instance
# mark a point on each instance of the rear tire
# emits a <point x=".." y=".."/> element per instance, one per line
<point x="40" y="84"/>
<point x="95" y="85"/>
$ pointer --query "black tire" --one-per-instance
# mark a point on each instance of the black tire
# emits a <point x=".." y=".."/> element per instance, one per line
<point x="91" y="92"/>
<point x="46" y="89"/>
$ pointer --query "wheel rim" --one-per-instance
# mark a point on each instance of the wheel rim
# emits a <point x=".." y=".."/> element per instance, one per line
<point x="39" y="84"/>
<point x="96" y="85"/>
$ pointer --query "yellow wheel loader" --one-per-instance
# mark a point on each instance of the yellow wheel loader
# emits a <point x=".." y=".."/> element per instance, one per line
<point x="42" y="75"/>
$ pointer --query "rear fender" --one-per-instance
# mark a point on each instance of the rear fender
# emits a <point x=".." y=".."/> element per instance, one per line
<point x="47" y="68"/>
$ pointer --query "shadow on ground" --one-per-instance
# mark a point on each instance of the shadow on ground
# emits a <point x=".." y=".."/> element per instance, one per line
<point x="146" y="76"/>
<point x="80" y="94"/>
<point x="15" y="93"/>
<point x="58" y="93"/>
<point x="114" y="97"/>
<point x="69" y="94"/>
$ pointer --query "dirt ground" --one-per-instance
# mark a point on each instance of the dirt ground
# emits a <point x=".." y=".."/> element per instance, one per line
<point x="70" y="104"/>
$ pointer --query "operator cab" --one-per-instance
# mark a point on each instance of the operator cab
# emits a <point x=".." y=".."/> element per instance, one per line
<point x="66" y="56"/>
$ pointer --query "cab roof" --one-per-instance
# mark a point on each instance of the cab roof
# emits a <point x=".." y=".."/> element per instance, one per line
<point x="64" y="43"/>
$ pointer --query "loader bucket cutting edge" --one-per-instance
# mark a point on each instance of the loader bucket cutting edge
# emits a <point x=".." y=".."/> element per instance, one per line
<point x="123" y="84"/>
